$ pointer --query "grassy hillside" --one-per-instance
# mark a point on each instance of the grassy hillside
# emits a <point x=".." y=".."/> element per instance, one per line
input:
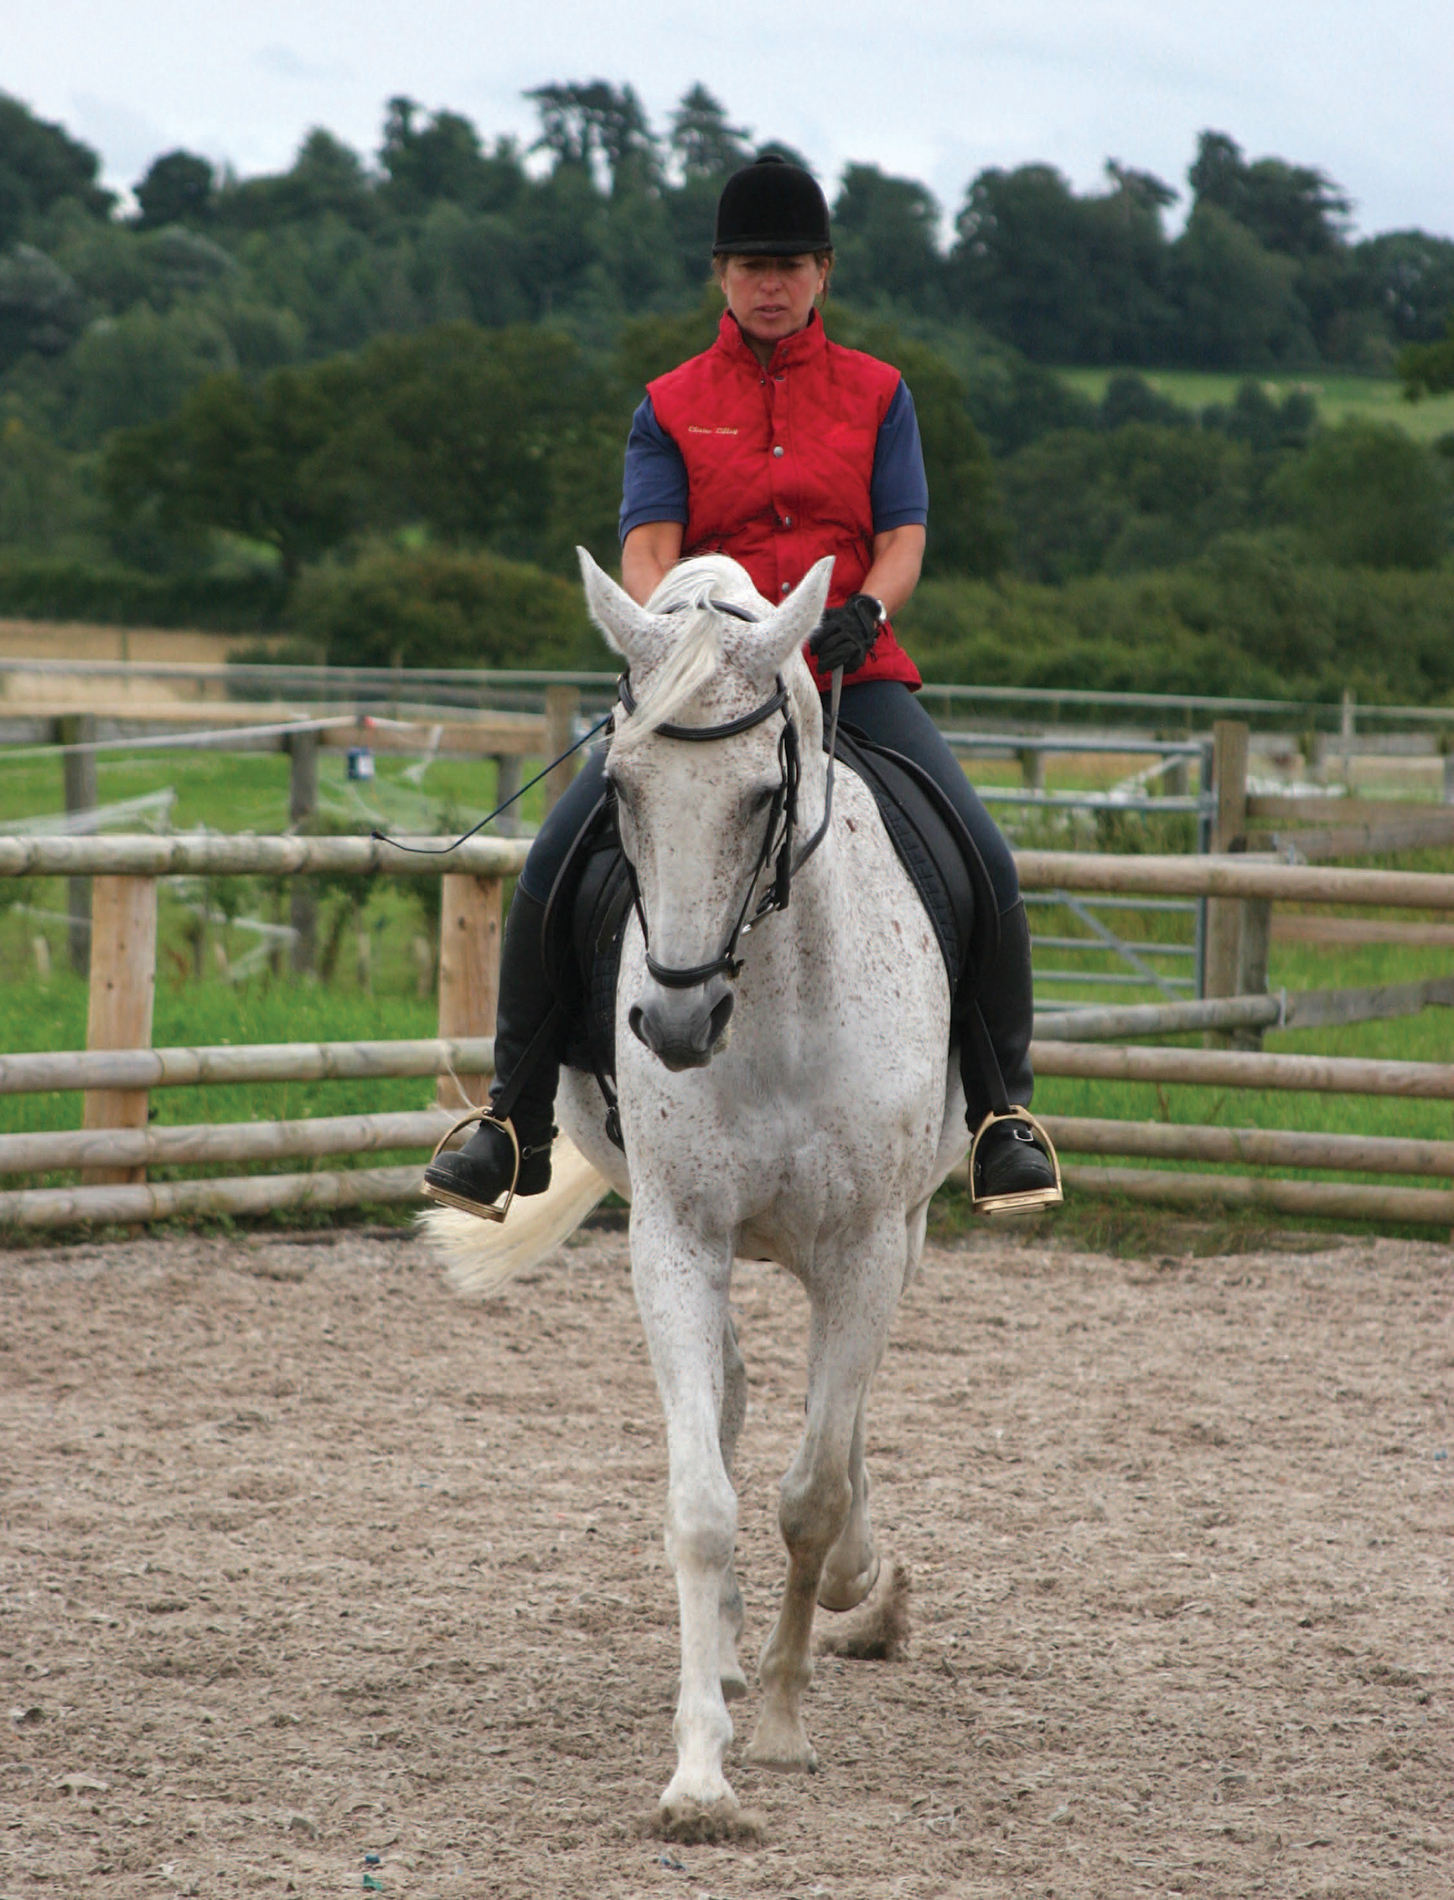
<point x="1371" y="398"/>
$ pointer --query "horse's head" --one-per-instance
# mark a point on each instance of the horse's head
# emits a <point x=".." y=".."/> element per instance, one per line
<point x="721" y="732"/>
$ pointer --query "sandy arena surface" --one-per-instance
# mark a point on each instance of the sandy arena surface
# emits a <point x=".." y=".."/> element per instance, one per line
<point x="304" y="1561"/>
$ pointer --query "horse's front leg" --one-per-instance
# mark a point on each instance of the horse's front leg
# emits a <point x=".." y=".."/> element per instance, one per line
<point x="851" y="1315"/>
<point x="734" y="1414"/>
<point x="681" y="1292"/>
<point x="851" y="1568"/>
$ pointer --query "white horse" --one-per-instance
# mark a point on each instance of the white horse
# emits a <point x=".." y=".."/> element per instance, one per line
<point x="788" y="1097"/>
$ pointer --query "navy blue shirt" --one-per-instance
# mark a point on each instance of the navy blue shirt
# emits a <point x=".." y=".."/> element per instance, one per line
<point x="655" y="484"/>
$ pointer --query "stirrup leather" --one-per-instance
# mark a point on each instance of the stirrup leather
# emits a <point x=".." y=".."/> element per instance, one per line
<point x="1026" y="1200"/>
<point x="484" y="1210"/>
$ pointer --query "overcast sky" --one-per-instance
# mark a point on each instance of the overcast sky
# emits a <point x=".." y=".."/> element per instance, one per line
<point x="933" y="90"/>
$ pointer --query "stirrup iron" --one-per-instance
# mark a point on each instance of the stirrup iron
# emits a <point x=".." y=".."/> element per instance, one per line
<point x="1025" y="1200"/>
<point x="482" y="1210"/>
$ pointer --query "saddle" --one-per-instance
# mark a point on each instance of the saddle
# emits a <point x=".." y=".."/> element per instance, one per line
<point x="585" y="919"/>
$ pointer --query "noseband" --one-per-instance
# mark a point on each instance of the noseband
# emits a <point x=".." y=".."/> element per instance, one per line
<point x="782" y="818"/>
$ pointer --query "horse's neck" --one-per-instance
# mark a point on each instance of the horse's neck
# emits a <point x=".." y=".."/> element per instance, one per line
<point x="816" y="937"/>
<point x="815" y="930"/>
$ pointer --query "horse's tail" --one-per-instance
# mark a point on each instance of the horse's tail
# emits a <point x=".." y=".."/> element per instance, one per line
<point x="480" y="1256"/>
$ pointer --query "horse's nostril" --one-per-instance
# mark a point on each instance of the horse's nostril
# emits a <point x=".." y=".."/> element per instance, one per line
<point x="718" y="1021"/>
<point x="637" y="1023"/>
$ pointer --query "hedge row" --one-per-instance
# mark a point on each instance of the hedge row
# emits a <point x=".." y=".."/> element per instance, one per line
<point x="1248" y="618"/>
<point x="130" y="597"/>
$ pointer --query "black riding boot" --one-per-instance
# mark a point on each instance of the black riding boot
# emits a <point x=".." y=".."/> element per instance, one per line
<point x="477" y="1174"/>
<point x="1010" y="1160"/>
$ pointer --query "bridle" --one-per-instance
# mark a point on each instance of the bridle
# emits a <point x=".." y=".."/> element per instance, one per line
<point x="777" y="842"/>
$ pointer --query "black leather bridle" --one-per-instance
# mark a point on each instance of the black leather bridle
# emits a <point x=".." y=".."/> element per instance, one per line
<point x="782" y="818"/>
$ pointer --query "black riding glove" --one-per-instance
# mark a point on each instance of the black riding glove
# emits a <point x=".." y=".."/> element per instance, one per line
<point x="846" y="634"/>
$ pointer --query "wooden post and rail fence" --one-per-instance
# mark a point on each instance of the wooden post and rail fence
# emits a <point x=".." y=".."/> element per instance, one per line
<point x="505" y="738"/>
<point x="119" y="1068"/>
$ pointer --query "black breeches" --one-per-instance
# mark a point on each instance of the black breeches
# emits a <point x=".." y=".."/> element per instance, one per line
<point x="562" y="827"/>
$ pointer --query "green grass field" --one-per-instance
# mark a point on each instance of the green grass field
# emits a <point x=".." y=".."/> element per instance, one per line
<point x="1372" y="398"/>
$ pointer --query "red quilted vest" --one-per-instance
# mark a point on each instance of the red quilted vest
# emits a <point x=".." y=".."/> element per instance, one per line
<point x="779" y="462"/>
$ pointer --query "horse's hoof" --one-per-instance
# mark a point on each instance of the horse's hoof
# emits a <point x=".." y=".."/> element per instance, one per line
<point x="734" y="1683"/>
<point x="846" y="1594"/>
<point x="693" y="1823"/>
<point x="880" y="1631"/>
<point x="782" y="1743"/>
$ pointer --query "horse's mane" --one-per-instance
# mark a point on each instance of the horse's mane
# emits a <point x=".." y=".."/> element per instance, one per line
<point x="688" y="591"/>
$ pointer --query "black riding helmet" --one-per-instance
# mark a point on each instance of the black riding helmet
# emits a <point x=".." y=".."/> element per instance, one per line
<point x="771" y="208"/>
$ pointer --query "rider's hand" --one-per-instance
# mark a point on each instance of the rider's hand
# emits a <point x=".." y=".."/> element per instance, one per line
<point x="846" y="634"/>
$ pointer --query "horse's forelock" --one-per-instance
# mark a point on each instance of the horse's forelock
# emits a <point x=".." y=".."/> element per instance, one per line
<point x="688" y="662"/>
<point x="692" y="640"/>
<point x="705" y="577"/>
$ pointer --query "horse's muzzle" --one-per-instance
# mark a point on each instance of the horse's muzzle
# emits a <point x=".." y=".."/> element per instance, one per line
<point x="684" y="1029"/>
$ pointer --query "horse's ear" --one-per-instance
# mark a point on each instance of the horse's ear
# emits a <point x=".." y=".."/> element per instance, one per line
<point x="784" y="631"/>
<point x="614" y="611"/>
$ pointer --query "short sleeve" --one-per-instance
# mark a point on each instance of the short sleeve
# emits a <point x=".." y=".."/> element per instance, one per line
<point x="898" y="488"/>
<point x="654" y="486"/>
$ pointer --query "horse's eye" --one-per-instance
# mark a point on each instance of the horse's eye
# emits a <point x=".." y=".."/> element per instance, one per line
<point x="763" y="797"/>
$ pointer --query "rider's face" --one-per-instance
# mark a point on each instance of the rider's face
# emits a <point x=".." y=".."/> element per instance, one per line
<point x="772" y="297"/>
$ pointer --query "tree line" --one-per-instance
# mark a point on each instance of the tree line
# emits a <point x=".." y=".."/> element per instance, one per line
<point x="604" y="219"/>
<point x="376" y="400"/>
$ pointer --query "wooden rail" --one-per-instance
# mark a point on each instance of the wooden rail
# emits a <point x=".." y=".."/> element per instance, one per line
<point x="224" y="1141"/>
<point x="1252" y="1147"/>
<point x="242" y="1062"/>
<point x="243" y="855"/>
<point x="1232" y="1068"/>
<point x="205" y="854"/>
<point x="1335" y="1200"/>
<point x="246" y="1195"/>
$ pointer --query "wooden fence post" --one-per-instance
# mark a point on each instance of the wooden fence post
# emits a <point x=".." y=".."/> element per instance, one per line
<point x="1254" y="944"/>
<point x="469" y="971"/>
<point x="302" y="803"/>
<point x="1229" y="824"/>
<point x="507" y="784"/>
<point x="562" y="706"/>
<point x="79" y="770"/>
<point x="123" y="983"/>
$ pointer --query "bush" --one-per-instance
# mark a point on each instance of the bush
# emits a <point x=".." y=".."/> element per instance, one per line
<point x="1142" y="495"/>
<point x="1367" y="495"/>
<point x="442" y="607"/>
<point x="126" y="597"/>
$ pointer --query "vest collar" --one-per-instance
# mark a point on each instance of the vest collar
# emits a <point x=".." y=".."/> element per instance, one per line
<point x="802" y="347"/>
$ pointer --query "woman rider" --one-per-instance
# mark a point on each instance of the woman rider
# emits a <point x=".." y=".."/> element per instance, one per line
<point x="777" y="447"/>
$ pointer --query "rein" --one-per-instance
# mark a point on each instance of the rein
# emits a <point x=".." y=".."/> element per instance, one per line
<point x="777" y="842"/>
